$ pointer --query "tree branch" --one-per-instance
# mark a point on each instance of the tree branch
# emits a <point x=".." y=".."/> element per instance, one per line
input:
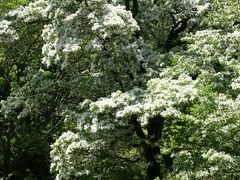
<point x="177" y="28"/>
<point x="137" y="127"/>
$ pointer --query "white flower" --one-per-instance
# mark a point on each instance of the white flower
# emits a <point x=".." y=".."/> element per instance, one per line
<point x="102" y="105"/>
<point x="202" y="174"/>
<point x="7" y="33"/>
<point x="202" y="8"/>
<point x="236" y="84"/>
<point x="71" y="48"/>
<point x="130" y="110"/>
<point x="213" y="156"/>
<point x="112" y="18"/>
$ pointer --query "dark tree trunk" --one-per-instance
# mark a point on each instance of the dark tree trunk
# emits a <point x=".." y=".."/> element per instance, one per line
<point x="134" y="8"/>
<point x="150" y="153"/>
<point x="173" y="36"/>
<point x="6" y="157"/>
<point x="149" y="144"/>
<point x="127" y="4"/>
<point x="5" y="127"/>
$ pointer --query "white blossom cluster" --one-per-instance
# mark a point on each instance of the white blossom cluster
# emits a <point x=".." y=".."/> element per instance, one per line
<point x="236" y="84"/>
<point x="212" y="54"/>
<point x="188" y="8"/>
<point x="66" y="152"/>
<point x="168" y="95"/>
<point x="215" y="163"/>
<point x="220" y="125"/>
<point x="88" y="120"/>
<point x="49" y="50"/>
<point x="213" y="58"/>
<point x="223" y="120"/>
<point x="163" y="97"/>
<point x="213" y="156"/>
<point x="7" y="33"/>
<point x="59" y="160"/>
<point x="91" y="27"/>
<point x="36" y="10"/>
<point x="9" y="106"/>
<point x="115" y="21"/>
<point x="224" y="14"/>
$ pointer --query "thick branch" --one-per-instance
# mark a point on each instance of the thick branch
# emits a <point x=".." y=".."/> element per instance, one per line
<point x="7" y="86"/>
<point x="155" y="128"/>
<point x="177" y="28"/>
<point x="135" y="8"/>
<point x="137" y="127"/>
<point x="150" y="149"/>
<point x="127" y="4"/>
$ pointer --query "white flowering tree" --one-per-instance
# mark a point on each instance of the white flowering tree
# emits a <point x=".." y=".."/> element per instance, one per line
<point x="129" y="89"/>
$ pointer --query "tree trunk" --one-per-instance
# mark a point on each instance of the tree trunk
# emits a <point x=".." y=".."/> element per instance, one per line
<point x="6" y="157"/>
<point x="150" y="153"/>
<point x="149" y="144"/>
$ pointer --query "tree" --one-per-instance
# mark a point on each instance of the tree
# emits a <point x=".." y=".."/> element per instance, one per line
<point x="127" y="89"/>
<point x="23" y="150"/>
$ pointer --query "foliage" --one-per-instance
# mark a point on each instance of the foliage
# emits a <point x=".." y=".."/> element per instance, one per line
<point x="10" y="4"/>
<point x="128" y="89"/>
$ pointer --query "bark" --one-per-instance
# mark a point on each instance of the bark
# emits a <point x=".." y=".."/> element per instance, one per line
<point x="6" y="140"/>
<point x="149" y="143"/>
<point x="150" y="154"/>
<point x="173" y="36"/>
<point x="6" y="147"/>
<point x="134" y="8"/>
<point x="127" y="4"/>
